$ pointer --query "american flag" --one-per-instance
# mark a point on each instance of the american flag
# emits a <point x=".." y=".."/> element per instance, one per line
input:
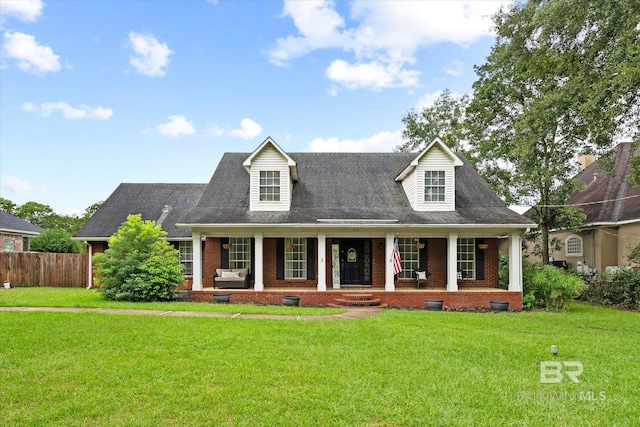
<point x="397" y="262"/>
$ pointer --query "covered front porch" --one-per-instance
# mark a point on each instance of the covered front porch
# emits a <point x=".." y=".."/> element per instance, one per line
<point x="341" y="258"/>
<point x="462" y="299"/>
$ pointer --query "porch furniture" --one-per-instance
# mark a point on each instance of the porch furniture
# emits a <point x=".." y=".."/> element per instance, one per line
<point x="231" y="278"/>
<point x="422" y="277"/>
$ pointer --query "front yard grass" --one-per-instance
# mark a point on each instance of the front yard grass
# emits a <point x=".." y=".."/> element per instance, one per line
<point x="91" y="298"/>
<point x="402" y="368"/>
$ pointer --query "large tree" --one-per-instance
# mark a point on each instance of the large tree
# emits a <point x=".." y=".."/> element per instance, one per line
<point x="562" y="78"/>
<point x="443" y="119"/>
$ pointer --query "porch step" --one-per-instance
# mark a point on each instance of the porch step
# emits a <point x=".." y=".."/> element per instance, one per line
<point x="357" y="297"/>
<point x="358" y="300"/>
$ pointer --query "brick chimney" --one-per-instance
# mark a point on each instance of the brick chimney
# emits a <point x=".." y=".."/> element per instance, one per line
<point x="584" y="160"/>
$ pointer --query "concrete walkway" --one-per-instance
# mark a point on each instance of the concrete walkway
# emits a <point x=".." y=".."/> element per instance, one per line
<point x="350" y="313"/>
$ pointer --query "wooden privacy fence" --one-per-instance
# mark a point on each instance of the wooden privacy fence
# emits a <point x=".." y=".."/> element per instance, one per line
<point x="43" y="269"/>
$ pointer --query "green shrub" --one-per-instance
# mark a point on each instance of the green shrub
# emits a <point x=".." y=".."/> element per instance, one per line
<point x="552" y="287"/>
<point x="619" y="288"/>
<point x="55" y="240"/>
<point x="139" y="264"/>
<point x="503" y="272"/>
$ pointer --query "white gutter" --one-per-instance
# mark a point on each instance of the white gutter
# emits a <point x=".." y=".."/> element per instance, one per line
<point x="351" y="224"/>
<point x="30" y="233"/>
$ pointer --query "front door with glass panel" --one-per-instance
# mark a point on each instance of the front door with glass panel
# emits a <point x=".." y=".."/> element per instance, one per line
<point x="355" y="262"/>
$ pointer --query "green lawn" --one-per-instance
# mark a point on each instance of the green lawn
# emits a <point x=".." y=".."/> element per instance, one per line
<point x="91" y="298"/>
<point x="402" y="368"/>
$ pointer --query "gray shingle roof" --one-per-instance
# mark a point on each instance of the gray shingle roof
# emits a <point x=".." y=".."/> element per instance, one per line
<point x="147" y="200"/>
<point x="10" y="223"/>
<point x="347" y="186"/>
<point x="622" y="199"/>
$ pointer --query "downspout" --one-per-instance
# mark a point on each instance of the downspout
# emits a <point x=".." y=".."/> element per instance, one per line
<point x="593" y="248"/>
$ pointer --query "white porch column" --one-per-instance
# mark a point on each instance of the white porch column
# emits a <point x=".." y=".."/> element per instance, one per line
<point x="515" y="263"/>
<point x="197" y="261"/>
<point x="89" y="265"/>
<point x="389" y="285"/>
<point x="258" y="268"/>
<point x="322" y="262"/>
<point x="452" y="263"/>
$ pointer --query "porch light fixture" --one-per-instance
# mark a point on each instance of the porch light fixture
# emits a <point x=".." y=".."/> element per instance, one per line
<point x="483" y="246"/>
<point x="419" y="244"/>
<point x="288" y="245"/>
<point x="226" y="246"/>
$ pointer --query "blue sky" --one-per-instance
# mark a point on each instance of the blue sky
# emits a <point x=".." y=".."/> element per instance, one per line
<point x="95" y="93"/>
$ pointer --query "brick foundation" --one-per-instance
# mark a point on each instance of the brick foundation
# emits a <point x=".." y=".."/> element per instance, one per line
<point x="472" y="299"/>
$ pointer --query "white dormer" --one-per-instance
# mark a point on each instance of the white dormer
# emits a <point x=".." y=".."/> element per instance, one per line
<point x="272" y="174"/>
<point x="430" y="179"/>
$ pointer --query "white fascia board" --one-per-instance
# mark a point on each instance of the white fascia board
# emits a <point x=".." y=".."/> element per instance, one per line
<point x="293" y="168"/>
<point x="414" y="163"/>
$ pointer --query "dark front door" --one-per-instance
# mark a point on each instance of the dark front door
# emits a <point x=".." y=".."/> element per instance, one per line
<point x="352" y="262"/>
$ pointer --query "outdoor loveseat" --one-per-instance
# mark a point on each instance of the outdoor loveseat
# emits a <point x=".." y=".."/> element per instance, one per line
<point x="231" y="278"/>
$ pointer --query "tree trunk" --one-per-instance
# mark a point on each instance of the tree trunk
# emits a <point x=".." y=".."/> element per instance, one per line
<point x="544" y="233"/>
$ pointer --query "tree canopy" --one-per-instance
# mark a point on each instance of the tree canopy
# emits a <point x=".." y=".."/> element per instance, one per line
<point x="562" y="78"/>
<point x="444" y="119"/>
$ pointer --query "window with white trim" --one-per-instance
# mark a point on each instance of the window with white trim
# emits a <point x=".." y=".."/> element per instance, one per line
<point x="186" y="257"/>
<point x="573" y="245"/>
<point x="269" y="186"/>
<point x="239" y="252"/>
<point x="467" y="258"/>
<point x="434" y="186"/>
<point x="410" y="257"/>
<point x="295" y="258"/>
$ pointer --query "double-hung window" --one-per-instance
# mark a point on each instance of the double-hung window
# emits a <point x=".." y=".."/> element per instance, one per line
<point x="239" y="252"/>
<point x="186" y="257"/>
<point x="269" y="186"/>
<point x="467" y="258"/>
<point x="410" y="257"/>
<point x="295" y="258"/>
<point x="434" y="186"/>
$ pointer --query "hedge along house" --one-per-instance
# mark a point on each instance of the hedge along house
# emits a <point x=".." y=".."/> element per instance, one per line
<point x="323" y="224"/>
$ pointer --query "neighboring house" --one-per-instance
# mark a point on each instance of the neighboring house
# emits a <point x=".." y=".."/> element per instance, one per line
<point x="319" y="222"/>
<point x="612" y="206"/>
<point x="15" y="233"/>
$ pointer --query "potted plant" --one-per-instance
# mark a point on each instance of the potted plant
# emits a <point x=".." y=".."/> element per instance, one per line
<point x="221" y="298"/>
<point x="292" y="300"/>
<point x="499" y="305"/>
<point x="433" y="304"/>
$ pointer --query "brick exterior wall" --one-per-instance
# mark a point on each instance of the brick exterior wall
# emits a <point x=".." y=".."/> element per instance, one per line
<point x="17" y="239"/>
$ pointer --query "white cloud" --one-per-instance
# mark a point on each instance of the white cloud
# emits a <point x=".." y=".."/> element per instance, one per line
<point x="15" y="184"/>
<point x="150" y="57"/>
<point x="454" y="68"/>
<point x="72" y="113"/>
<point x="24" y="10"/>
<point x="384" y="37"/>
<point x="178" y="125"/>
<point x="373" y="75"/>
<point x="248" y="130"/>
<point x="381" y="142"/>
<point x="31" y="56"/>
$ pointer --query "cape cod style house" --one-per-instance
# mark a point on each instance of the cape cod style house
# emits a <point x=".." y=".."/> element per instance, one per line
<point x="323" y="224"/>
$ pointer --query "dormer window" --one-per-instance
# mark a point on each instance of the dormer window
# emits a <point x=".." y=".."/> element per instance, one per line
<point x="434" y="186"/>
<point x="269" y="186"/>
